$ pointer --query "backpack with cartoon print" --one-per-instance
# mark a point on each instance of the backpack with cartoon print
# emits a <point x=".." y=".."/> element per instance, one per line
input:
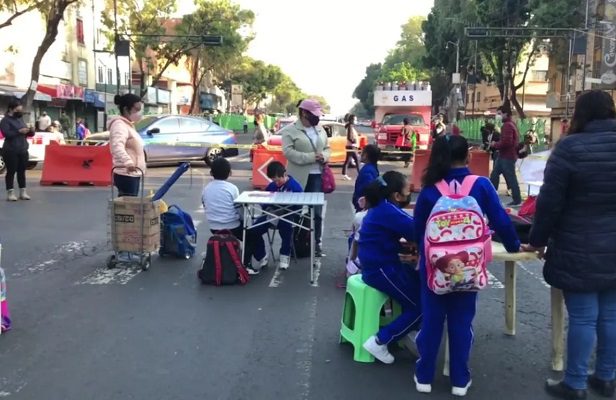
<point x="457" y="244"/>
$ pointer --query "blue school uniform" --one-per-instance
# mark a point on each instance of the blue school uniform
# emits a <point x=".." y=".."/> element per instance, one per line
<point x="457" y="308"/>
<point x="379" y="245"/>
<point x="367" y="174"/>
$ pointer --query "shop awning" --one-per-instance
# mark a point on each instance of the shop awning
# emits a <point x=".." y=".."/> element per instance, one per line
<point x="12" y="91"/>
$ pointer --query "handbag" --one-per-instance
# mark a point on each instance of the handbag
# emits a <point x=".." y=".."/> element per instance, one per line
<point x="328" y="180"/>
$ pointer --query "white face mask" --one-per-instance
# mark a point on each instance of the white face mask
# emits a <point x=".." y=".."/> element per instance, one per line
<point x="136" y="116"/>
<point x="498" y="117"/>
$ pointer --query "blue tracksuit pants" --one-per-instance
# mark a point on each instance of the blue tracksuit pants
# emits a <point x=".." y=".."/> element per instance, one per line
<point x="401" y="283"/>
<point x="459" y="310"/>
<point x="285" y="230"/>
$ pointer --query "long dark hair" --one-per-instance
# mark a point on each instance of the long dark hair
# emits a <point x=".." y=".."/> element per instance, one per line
<point x="590" y="106"/>
<point x="384" y="186"/>
<point x="349" y="120"/>
<point x="446" y="151"/>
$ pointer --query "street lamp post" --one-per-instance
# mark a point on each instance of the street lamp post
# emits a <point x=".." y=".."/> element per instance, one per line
<point x="457" y="44"/>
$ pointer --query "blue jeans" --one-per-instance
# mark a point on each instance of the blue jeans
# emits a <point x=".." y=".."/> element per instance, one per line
<point x="401" y="283"/>
<point x="459" y="310"/>
<point x="127" y="185"/>
<point x="592" y="316"/>
<point x="506" y="168"/>
<point x="314" y="185"/>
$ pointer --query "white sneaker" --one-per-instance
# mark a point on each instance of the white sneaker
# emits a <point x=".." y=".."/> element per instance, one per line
<point x="379" y="351"/>
<point x="410" y="342"/>
<point x="284" y="262"/>
<point x="461" y="391"/>
<point x="264" y="263"/>
<point x="348" y="178"/>
<point x="422" y="387"/>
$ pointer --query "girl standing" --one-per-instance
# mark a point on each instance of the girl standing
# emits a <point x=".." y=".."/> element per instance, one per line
<point x="448" y="162"/>
<point x="352" y="146"/>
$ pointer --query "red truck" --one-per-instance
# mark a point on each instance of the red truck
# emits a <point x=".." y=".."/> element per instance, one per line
<point x="393" y="106"/>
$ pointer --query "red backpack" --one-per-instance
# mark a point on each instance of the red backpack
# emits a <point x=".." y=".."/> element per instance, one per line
<point x="222" y="264"/>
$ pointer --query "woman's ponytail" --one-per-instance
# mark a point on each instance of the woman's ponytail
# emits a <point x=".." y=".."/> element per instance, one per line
<point x="384" y="186"/>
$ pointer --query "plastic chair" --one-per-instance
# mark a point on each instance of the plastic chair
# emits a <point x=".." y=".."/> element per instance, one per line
<point x="362" y="317"/>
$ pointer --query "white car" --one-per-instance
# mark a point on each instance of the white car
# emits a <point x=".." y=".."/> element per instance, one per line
<point x="36" y="149"/>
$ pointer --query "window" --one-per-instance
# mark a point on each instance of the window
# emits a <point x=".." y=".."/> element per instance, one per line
<point x="539" y="76"/>
<point x="168" y="125"/>
<point x="79" y="29"/>
<point x="191" y="125"/>
<point x="109" y="76"/>
<point x="101" y="77"/>
<point x="478" y="97"/>
<point x="82" y="71"/>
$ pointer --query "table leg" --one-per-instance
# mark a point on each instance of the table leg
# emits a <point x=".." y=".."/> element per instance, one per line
<point x="245" y="226"/>
<point x="311" y="245"/>
<point x="446" y="362"/>
<point x="510" y="297"/>
<point x="558" y="328"/>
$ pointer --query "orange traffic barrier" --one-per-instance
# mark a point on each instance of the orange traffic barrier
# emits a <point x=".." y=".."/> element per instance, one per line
<point x="420" y="162"/>
<point x="261" y="158"/>
<point x="423" y="141"/>
<point x="363" y="141"/>
<point x="479" y="163"/>
<point x="76" y="165"/>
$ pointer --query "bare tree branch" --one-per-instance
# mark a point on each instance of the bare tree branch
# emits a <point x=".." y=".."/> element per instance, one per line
<point x="9" y="21"/>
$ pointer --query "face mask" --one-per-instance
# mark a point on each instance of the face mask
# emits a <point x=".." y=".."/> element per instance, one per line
<point x="18" y="114"/>
<point x="499" y="118"/>
<point x="405" y="202"/>
<point x="312" y="119"/>
<point x="136" y="116"/>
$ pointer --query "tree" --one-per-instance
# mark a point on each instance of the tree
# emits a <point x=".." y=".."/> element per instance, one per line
<point x="322" y="100"/>
<point x="364" y="92"/>
<point x="17" y="8"/>
<point x="52" y="12"/>
<point x="258" y="80"/>
<point x="359" y="110"/>
<point x="405" y="61"/>
<point x="285" y="96"/>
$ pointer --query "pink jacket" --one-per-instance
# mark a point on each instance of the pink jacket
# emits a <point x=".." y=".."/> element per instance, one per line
<point x="126" y="146"/>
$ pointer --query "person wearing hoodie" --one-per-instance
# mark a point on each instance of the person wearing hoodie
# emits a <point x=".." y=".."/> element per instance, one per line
<point x="126" y="145"/>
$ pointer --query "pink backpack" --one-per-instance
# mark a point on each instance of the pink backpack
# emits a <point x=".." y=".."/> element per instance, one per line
<point x="457" y="244"/>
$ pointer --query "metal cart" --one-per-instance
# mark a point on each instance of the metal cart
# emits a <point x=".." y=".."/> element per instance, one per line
<point x="123" y="253"/>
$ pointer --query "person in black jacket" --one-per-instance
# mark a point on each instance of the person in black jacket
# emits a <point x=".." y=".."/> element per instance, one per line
<point x="576" y="220"/>
<point x="15" y="149"/>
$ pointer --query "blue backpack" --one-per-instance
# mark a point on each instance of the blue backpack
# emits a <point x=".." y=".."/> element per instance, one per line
<point x="178" y="234"/>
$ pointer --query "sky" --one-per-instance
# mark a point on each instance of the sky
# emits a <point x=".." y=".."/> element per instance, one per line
<point x="326" y="45"/>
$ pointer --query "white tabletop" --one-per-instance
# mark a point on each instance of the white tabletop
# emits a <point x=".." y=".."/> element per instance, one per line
<point x="281" y="198"/>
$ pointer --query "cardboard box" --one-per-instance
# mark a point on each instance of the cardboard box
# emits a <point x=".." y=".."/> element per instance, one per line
<point x="132" y="220"/>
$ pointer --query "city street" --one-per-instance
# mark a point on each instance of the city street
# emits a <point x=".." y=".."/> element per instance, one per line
<point x="83" y="332"/>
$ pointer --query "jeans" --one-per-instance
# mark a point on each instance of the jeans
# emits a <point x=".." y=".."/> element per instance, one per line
<point x="350" y="154"/>
<point x="401" y="283"/>
<point x="592" y="317"/>
<point x="314" y="185"/>
<point x="127" y="185"/>
<point x="16" y="163"/>
<point x="506" y="168"/>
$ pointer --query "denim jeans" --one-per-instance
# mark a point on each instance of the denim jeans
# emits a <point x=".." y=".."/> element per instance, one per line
<point x="592" y="317"/>
<point x="314" y="185"/>
<point x="127" y="185"/>
<point x="506" y="168"/>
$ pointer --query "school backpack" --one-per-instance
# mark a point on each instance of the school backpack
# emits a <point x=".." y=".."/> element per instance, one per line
<point x="5" y="315"/>
<point x="457" y="244"/>
<point x="222" y="264"/>
<point x="178" y="234"/>
<point x="301" y="237"/>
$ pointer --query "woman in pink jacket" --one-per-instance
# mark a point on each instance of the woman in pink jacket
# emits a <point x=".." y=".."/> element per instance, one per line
<point x="126" y="145"/>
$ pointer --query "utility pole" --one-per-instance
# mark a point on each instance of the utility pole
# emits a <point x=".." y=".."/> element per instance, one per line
<point x="116" y="40"/>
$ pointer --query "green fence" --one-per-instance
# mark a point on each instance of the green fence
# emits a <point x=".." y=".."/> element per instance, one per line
<point x="471" y="128"/>
<point x="235" y="122"/>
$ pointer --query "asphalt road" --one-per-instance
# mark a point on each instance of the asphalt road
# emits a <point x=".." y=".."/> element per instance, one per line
<point x="82" y="332"/>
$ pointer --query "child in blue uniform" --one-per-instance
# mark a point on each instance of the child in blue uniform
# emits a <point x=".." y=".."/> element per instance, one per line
<point x="379" y="248"/>
<point x="448" y="161"/>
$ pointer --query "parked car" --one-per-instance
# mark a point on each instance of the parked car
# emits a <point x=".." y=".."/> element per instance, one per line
<point x="176" y="138"/>
<point x="283" y="121"/>
<point x="336" y="132"/>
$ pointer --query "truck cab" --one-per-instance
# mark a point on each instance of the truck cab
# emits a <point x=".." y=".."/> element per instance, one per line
<point x="393" y="106"/>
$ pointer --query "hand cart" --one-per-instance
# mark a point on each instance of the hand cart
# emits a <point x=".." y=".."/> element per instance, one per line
<point x="125" y="251"/>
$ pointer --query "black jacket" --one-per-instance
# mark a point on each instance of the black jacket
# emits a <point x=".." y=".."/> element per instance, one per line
<point x="13" y="140"/>
<point x="576" y="211"/>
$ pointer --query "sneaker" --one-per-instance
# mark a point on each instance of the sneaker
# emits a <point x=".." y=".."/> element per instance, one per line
<point x="346" y="177"/>
<point x="409" y="342"/>
<point x="23" y="195"/>
<point x="252" y="271"/>
<point x="422" y="387"/>
<point x="563" y="391"/>
<point x="379" y="351"/>
<point x="264" y="263"/>
<point x="318" y="252"/>
<point x="601" y="387"/>
<point x="10" y="195"/>
<point x="284" y="262"/>
<point x="461" y="391"/>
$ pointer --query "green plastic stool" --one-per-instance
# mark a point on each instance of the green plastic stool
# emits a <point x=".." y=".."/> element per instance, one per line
<point x="361" y="316"/>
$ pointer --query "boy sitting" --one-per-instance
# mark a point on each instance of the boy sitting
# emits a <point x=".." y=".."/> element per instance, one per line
<point x="223" y="215"/>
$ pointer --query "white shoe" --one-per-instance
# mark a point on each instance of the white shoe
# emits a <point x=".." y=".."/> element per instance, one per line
<point x="422" y="387"/>
<point x="348" y="178"/>
<point x="410" y="342"/>
<point x="23" y="195"/>
<point x="264" y="263"/>
<point x="284" y="262"/>
<point x="10" y="195"/>
<point x="379" y="351"/>
<point x="461" y="391"/>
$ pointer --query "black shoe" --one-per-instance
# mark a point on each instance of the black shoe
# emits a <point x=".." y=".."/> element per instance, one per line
<point x="563" y="391"/>
<point x="318" y="252"/>
<point x="601" y="387"/>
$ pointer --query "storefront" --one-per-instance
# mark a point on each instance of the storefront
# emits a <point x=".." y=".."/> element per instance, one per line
<point x="71" y="99"/>
<point x="95" y="110"/>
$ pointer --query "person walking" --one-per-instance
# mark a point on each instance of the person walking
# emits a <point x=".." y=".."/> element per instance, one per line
<point x="507" y="148"/>
<point x="44" y="122"/>
<point x="407" y="141"/>
<point x="352" y="146"/>
<point x="576" y="219"/>
<point x="126" y="145"/>
<point x="15" y="149"/>
<point x="306" y="148"/>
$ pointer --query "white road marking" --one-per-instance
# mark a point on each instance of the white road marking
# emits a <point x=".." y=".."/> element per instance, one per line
<point x="305" y="348"/>
<point x="534" y="275"/>
<point x="104" y="276"/>
<point x="277" y="279"/>
<point x="494" y="282"/>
